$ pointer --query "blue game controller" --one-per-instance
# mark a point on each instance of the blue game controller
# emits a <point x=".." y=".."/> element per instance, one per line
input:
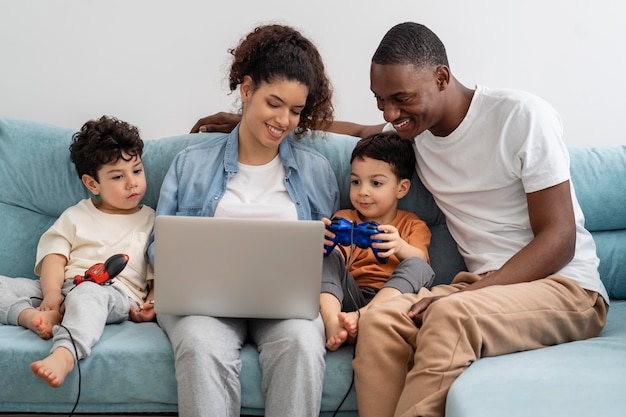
<point x="347" y="233"/>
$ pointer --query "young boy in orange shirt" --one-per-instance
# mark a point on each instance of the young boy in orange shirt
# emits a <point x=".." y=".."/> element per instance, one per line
<point x="353" y="278"/>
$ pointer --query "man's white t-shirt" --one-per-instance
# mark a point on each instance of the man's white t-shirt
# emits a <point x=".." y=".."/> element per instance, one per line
<point x="509" y="144"/>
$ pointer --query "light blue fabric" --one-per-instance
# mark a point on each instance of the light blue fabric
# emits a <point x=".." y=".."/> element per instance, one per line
<point x="599" y="177"/>
<point x="611" y="249"/>
<point x="578" y="379"/>
<point x="131" y="368"/>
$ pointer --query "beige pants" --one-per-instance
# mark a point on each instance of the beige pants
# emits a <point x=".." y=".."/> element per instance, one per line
<point x="402" y="370"/>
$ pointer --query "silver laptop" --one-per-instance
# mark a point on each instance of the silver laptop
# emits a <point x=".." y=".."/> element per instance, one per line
<point x="238" y="268"/>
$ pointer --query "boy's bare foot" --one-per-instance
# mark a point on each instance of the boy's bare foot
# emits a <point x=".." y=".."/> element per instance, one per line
<point x="346" y="332"/>
<point x="55" y="367"/>
<point x="40" y="322"/>
<point x="334" y="342"/>
<point x="350" y="322"/>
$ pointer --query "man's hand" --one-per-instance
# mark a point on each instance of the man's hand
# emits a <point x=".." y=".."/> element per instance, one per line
<point x="219" y="122"/>
<point x="417" y="310"/>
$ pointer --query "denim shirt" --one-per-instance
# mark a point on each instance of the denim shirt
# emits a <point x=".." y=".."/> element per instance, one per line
<point x="196" y="180"/>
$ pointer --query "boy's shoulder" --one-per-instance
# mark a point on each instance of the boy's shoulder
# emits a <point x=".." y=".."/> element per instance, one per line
<point x="83" y="205"/>
<point x="405" y="214"/>
<point x="405" y="217"/>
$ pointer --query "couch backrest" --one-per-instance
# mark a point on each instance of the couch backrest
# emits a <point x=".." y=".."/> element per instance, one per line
<point x="599" y="178"/>
<point x="38" y="182"/>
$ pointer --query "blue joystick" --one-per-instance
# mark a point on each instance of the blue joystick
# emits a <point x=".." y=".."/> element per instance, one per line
<point x="347" y="233"/>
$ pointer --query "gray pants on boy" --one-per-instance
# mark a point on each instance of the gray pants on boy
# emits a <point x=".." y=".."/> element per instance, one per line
<point x="88" y="308"/>
<point x="409" y="276"/>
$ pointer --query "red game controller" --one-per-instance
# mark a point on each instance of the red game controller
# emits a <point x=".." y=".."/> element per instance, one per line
<point x="103" y="273"/>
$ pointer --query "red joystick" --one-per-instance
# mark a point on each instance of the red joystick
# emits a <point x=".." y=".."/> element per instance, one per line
<point x="103" y="273"/>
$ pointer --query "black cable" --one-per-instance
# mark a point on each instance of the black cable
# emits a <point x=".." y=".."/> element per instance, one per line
<point x="75" y="352"/>
<point x="77" y="366"/>
<point x="347" y="287"/>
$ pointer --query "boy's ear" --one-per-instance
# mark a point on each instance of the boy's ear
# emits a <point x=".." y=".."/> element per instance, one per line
<point x="91" y="184"/>
<point x="403" y="187"/>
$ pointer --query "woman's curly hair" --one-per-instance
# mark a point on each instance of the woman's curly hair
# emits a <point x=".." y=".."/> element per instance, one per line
<point x="103" y="141"/>
<point x="277" y="52"/>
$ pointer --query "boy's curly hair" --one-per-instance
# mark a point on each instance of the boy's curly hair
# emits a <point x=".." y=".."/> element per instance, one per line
<point x="103" y="141"/>
<point x="277" y="52"/>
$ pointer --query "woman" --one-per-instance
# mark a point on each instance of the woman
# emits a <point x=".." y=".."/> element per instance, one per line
<point x="259" y="170"/>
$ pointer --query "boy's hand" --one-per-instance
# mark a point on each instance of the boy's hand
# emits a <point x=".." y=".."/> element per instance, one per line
<point x="145" y="312"/>
<point x="391" y="243"/>
<point x="52" y="302"/>
<point x="327" y="234"/>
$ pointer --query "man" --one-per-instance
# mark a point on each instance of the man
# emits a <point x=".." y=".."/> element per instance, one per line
<point x="498" y="168"/>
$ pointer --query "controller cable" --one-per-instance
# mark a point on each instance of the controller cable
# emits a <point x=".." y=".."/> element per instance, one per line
<point x="75" y="353"/>
<point x="101" y="274"/>
<point x="347" y="287"/>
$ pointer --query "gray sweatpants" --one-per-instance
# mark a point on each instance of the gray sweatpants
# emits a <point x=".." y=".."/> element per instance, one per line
<point x="208" y="363"/>
<point x="409" y="276"/>
<point x="88" y="307"/>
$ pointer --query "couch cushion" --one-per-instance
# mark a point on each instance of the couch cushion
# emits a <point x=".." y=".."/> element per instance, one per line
<point x="599" y="179"/>
<point x="136" y="355"/>
<point x="611" y="249"/>
<point x="598" y="175"/>
<point x="144" y="353"/>
<point x="38" y="183"/>
<point x="577" y="379"/>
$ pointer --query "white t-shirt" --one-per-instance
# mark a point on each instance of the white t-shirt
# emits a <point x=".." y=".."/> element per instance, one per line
<point x="86" y="236"/>
<point x="258" y="192"/>
<point x="509" y="144"/>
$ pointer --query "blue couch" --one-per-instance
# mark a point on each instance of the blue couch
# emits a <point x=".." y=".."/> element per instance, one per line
<point x="131" y="368"/>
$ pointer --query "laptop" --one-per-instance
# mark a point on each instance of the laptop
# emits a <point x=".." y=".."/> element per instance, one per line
<point x="240" y="268"/>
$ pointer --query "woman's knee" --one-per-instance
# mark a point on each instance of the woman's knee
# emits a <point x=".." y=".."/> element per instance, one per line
<point x="195" y="334"/>
<point x="300" y="337"/>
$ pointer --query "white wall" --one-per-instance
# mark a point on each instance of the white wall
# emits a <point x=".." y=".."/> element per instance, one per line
<point x="162" y="64"/>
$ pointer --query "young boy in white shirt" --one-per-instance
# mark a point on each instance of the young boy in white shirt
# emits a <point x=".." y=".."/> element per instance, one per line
<point x="107" y="155"/>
